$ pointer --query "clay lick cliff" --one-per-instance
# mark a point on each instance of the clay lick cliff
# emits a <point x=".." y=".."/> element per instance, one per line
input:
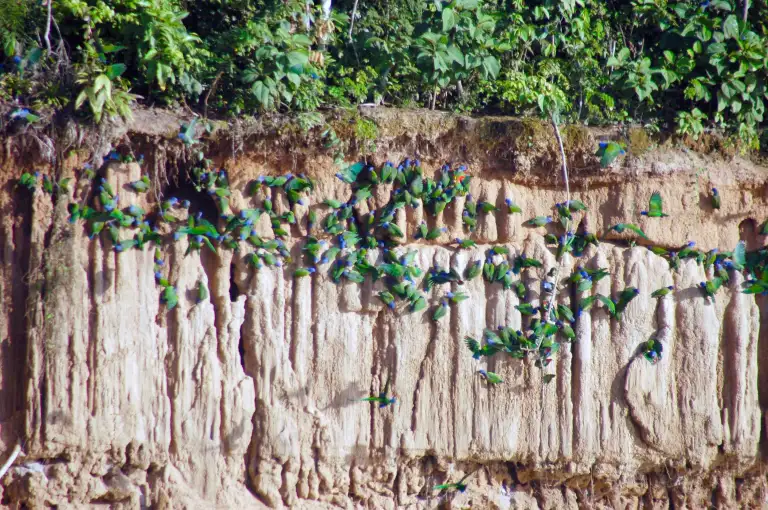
<point x="175" y="336"/>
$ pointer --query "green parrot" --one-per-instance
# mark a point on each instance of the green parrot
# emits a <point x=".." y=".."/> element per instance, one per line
<point x="608" y="152"/>
<point x="655" y="207"/>
<point x="565" y="312"/>
<point x="63" y="184"/>
<point x="710" y="287"/>
<point x="609" y="304"/>
<point x="621" y="227"/>
<point x="383" y="399"/>
<point x="418" y="304"/>
<point x="512" y="208"/>
<point x="490" y="377"/>
<point x="473" y="269"/>
<point x="388" y="299"/>
<point x="625" y="296"/>
<point x="489" y="349"/>
<point x="28" y="180"/>
<point x="486" y="207"/>
<point x="739" y="256"/>
<point x="459" y="486"/>
<point x="142" y="185"/>
<point x="664" y="291"/>
<point x="169" y="297"/>
<point x="715" y="199"/>
<point x="526" y="309"/>
<point x="456" y="297"/>
<point x="441" y="311"/>
<point x="652" y="350"/>
<point x="538" y="221"/>
<point x="202" y="292"/>
<point x="566" y="330"/>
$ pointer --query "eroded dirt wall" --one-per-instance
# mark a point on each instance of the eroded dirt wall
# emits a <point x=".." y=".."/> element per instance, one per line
<point x="251" y="397"/>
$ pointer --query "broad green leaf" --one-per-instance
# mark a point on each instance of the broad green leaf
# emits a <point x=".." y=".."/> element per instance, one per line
<point x="302" y="40"/>
<point x="115" y="70"/>
<point x="80" y="99"/>
<point x="704" y="33"/>
<point x="102" y="82"/>
<point x="698" y="47"/>
<point x="469" y="5"/>
<point x="431" y="37"/>
<point x="455" y="53"/>
<point x="623" y="54"/>
<point x="449" y="19"/>
<point x="111" y="48"/>
<point x="293" y="78"/>
<point x="722" y="5"/>
<point x="261" y="92"/>
<point x="491" y="66"/>
<point x="10" y="45"/>
<point x="751" y="82"/>
<point x="440" y="61"/>
<point x="151" y="54"/>
<point x="731" y="27"/>
<point x="297" y="58"/>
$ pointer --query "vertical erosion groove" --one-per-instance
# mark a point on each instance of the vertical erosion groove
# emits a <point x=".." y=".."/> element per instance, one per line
<point x="234" y="290"/>
<point x="762" y="371"/>
<point x="15" y="233"/>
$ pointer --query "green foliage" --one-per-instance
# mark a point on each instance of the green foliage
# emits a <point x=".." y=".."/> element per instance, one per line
<point x="103" y="89"/>
<point x="686" y="65"/>
<point x="457" y="44"/>
<point x="279" y="65"/>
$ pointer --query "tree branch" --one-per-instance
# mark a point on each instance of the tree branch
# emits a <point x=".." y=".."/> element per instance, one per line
<point x="211" y="91"/>
<point x="12" y="458"/>
<point x="746" y="11"/>
<point x="48" y="27"/>
<point x="352" y="21"/>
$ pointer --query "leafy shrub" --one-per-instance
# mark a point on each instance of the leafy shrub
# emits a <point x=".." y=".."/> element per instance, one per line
<point x="686" y="65"/>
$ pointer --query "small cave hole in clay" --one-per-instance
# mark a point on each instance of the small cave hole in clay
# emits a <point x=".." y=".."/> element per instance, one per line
<point x="748" y="234"/>
<point x="199" y="201"/>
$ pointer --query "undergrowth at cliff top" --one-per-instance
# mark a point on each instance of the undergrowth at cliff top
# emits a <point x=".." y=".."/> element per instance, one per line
<point x="353" y="246"/>
<point x="688" y="66"/>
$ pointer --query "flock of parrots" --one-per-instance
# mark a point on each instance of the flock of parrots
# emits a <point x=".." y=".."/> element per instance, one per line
<point x="341" y="242"/>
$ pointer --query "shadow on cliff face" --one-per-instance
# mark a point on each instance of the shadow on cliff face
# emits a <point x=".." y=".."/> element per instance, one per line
<point x="748" y="234"/>
<point x="15" y="235"/>
<point x="200" y="202"/>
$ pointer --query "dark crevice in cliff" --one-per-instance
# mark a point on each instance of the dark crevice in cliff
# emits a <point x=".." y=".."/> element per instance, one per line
<point x="455" y="325"/>
<point x="577" y="367"/>
<point x="14" y="348"/>
<point x="45" y="277"/>
<point x="172" y="371"/>
<point x="298" y="311"/>
<point x="762" y="372"/>
<point x="201" y="203"/>
<point x="241" y="347"/>
<point x="234" y="290"/>
<point x="380" y="331"/>
<point x="428" y="353"/>
<point x="90" y="275"/>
